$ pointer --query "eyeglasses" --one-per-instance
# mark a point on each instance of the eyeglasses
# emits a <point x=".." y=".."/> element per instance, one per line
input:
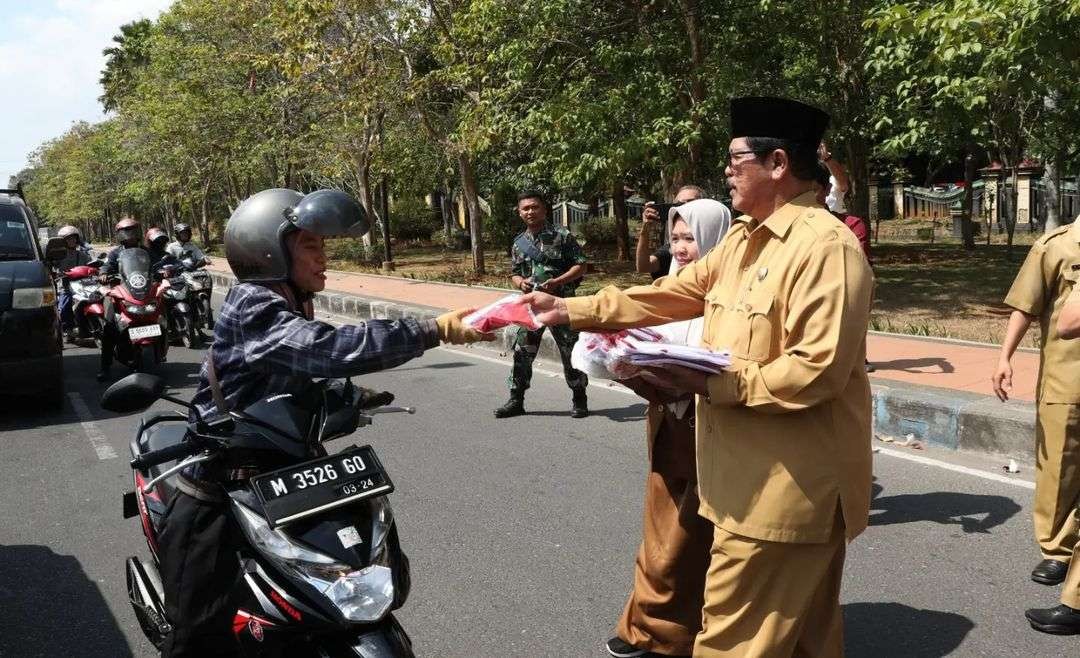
<point x="732" y="154"/>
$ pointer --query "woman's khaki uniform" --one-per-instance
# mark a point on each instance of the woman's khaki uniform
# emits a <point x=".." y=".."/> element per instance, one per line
<point x="663" y="613"/>
<point x="1048" y="275"/>
<point x="783" y="438"/>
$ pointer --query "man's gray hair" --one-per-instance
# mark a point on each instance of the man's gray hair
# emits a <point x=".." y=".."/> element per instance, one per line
<point x="693" y="188"/>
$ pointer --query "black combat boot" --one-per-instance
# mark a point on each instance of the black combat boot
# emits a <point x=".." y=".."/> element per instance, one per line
<point x="580" y="407"/>
<point x="515" y="406"/>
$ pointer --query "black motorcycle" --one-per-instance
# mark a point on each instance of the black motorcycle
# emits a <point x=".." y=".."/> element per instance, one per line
<point x="322" y="564"/>
<point x="200" y="286"/>
<point x="181" y="303"/>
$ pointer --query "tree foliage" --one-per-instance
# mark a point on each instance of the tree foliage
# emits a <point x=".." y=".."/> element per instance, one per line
<point x="581" y="98"/>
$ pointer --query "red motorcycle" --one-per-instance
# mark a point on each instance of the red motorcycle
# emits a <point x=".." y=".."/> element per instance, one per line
<point x="87" y="296"/>
<point x="135" y="312"/>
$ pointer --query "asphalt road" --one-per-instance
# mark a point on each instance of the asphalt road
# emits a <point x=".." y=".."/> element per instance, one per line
<point x="521" y="532"/>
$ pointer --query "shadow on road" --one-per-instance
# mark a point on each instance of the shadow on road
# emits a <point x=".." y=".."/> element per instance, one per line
<point x="972" y="512"/>
<point x="887" y="630"/>
<point x="79" y="370"/>
<point x="438" y="366"/>
<point x="630" y="414"/>
<point x="51" y="608"/>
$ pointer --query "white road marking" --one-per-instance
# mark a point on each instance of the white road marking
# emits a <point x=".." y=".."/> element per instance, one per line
<point x="94" y="435"/>
<point x="610" y="386"/>
<point x="986" y="475"/>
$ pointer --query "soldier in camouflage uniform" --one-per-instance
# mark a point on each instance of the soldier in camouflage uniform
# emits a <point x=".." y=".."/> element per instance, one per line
<point x="549" y="259"/>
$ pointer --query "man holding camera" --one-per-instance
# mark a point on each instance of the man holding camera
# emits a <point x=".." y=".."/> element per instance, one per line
<point x="657" y="263"/>
<point x="548" y="259"/>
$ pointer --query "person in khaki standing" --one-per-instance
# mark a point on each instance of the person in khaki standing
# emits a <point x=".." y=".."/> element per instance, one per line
<point x="663" y="612"/>
<point x="1039" y="291"/>
<point x="783" y="435"/>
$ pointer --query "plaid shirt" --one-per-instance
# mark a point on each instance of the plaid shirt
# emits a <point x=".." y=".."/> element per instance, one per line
<point x="262" y="348"/>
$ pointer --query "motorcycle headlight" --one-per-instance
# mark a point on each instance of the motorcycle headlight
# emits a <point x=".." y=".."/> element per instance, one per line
<point x="365" y="595"/>
<point x="133" y="309"/>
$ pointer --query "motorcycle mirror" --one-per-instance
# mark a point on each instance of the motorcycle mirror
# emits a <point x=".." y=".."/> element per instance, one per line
<point x="55" y="250"/>
<point x="133" y="393"/>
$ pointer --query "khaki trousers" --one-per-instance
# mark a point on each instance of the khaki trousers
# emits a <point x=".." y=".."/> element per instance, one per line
<point x="1057" y="479"/>
<point x="663" y="614"/>
<point x="773" y="600"/>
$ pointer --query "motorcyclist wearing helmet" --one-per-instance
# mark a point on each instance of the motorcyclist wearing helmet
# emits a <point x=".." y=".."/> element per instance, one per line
<point x="77" y="254"/>
<point x="127" y="236"/>
<point x="156" y="242"/>
<point x="183" y="244"/>
<point x="266" y="343"/>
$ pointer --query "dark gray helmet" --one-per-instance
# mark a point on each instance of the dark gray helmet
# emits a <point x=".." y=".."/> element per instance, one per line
<point x="180" y="228"/>
<point x="255" y="235"/>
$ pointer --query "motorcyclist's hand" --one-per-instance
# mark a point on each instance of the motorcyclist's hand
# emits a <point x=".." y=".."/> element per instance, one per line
<point x="453" y="330"/>
<point x="549" y="309"/>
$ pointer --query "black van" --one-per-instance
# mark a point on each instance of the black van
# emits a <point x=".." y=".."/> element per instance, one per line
<point x="31" y="340"/>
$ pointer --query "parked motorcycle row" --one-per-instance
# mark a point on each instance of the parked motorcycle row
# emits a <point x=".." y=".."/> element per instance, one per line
<point x="150" y="305"/>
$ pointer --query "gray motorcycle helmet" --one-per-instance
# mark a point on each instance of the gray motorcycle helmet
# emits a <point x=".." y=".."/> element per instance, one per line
<point x="256" y="231"/>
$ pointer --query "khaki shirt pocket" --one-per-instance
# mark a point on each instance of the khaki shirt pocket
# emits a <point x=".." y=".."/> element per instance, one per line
<point x="714" y="311"/>
<point x="759" y="310"/>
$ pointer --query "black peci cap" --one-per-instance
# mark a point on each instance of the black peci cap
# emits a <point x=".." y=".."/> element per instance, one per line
<point x="780" y="118"/>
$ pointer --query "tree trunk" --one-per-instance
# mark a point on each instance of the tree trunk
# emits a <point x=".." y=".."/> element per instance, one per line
<point x="1012" y="162"/>
<point x="204" y="227"/>
<point x="446" y="202"/>
<point x="472" y="204"/>
<point x="384" y="205"/>
<point x="967" y="221"/>
<point x="859" y="175"/>
<point x="689" y="9"/>
<point x="622" y="230"/>
<point x="1052" y="193"/>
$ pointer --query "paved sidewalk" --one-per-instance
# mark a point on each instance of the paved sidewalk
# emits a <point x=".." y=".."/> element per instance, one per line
<point x="921" y="361"/>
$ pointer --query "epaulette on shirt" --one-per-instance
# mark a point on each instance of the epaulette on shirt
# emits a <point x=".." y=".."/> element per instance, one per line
<point x="1061" y="230"/>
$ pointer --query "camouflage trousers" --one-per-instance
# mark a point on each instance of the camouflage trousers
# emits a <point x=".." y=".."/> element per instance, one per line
<point x="527" y="344"/>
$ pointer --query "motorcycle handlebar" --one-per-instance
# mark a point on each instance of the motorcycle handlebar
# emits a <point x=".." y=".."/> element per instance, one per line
<point x="155" y="457"/>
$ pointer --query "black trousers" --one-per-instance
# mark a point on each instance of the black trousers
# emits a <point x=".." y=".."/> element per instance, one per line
<point x="199" y="572"/>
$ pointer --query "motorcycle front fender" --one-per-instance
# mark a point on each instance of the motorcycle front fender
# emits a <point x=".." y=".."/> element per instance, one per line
<point x="385" y="640"/>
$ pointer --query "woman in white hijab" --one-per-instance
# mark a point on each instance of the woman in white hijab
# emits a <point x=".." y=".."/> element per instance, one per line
<point x="664" y="611"/>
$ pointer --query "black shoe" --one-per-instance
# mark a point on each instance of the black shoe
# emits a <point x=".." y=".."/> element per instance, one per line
<point x="513" y="407"/>
<point x="1059" y="620"/>
<point x="619" y="649"/>
<point x="580" y="405"/>
<point x="1050" y="572"/>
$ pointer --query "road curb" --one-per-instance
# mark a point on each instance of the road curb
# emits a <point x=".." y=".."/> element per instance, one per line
<point x="944" y="418"/>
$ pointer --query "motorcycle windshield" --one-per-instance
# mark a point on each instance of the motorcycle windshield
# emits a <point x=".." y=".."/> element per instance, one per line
<point x="135" y="271"/>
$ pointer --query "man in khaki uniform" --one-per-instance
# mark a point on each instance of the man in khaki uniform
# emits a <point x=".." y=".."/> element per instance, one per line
<point x="1046" y="288"/>
<point x="783" y="436"/>
<point x="1039" y="291"/>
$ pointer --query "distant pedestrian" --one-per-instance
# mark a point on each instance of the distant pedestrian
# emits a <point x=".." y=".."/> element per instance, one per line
<point x="548" y="259"/>
<point x="1046" y="280"/>
<point x="658" y="262"/>
<point x="858" y="225"/>
<point x="839" y="182"/>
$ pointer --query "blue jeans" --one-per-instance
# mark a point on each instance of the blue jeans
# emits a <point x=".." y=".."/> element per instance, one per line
<point x="67" y="317"/>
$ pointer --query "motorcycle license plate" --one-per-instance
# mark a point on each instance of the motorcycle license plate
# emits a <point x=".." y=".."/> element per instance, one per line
<point x="147" y="331"/>
<point x="313" y="487"/>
